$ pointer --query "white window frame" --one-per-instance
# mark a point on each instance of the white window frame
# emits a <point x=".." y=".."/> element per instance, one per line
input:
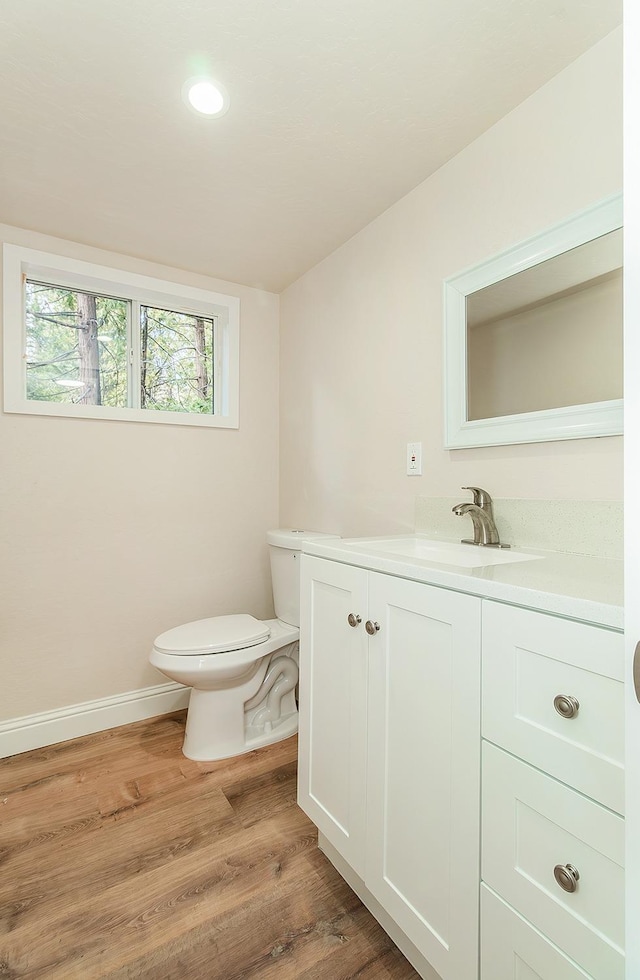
<point x="21" y="263"/>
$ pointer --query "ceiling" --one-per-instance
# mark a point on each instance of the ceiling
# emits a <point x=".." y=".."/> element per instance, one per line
<point x="338" y="109"/>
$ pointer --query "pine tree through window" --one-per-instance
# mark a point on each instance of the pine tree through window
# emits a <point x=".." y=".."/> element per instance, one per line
<point x="76" y="346"/>
<point x="176" y="361"/>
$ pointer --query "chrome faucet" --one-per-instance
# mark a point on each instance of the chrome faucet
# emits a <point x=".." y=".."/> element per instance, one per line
<point x="485" y="532"/>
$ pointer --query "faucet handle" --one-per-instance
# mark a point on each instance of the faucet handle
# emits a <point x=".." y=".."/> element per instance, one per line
<point x="480" y="497"/>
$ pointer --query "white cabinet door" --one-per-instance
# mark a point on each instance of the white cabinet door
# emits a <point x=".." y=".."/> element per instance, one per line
<point x="632" y="468"/>
<point x="423" y="768"/>
<point x="529" y="660"/>
<point x="333" y="706"/>
<point x="513" y="950"/>
<point x="534" y="826"/>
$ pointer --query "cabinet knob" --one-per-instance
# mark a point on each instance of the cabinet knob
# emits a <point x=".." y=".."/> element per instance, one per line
<point x="371" y="628"/>
<point x="566" y="705"/>
<point x="354" y="620"/>
<point x="567" y="876"/>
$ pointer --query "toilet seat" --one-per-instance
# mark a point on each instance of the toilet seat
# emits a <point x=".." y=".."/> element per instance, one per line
<point x="220" y="634"/>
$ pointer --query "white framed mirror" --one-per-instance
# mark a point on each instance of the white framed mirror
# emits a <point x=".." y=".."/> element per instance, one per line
<point x="533" y="337"/>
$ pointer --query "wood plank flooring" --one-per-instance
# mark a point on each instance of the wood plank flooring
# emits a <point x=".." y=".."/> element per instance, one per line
<point x="120" y="859"/>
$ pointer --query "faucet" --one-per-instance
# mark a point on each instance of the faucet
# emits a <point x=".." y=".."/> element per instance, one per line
<point x="485" y="532"/>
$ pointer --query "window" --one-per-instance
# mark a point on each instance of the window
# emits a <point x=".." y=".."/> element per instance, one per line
<point x="89" y="341"/>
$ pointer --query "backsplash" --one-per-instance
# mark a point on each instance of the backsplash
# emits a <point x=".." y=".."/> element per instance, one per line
<point x="579" y="527"/>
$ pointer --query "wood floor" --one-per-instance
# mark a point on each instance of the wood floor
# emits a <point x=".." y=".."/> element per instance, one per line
<point x="119" y="858"/>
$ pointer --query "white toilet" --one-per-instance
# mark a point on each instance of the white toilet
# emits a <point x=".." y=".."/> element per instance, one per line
<point x="242" y="671"/>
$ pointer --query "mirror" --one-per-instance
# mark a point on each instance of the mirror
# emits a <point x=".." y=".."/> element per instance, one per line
<point x="533" y="338"/>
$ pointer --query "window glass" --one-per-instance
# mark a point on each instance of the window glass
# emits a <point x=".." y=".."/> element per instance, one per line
<point x="177" y="361"/>
<point x="76" y="346"/>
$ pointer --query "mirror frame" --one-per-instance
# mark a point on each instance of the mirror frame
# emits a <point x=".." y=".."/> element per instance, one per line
<point x="573" y="422"/>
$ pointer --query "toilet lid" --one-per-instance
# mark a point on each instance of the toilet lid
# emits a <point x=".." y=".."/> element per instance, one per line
<point x="216" y="635"/>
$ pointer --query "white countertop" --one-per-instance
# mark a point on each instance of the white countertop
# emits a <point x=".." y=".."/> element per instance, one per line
<point x="574" y="586"/>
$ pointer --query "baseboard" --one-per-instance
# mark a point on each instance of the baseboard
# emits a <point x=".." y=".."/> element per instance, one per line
<point x="48" y="727"/>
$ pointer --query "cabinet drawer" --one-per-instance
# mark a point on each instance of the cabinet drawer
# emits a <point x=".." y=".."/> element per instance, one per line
<point x="530" y="824"/>
<point x="528" y="660"/>
<point x="513" y="949"/>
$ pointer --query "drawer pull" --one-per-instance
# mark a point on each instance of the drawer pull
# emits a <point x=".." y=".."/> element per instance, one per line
<point x="354" y="620"/>
<point x="371" y="628"/>
<point x="567" y="876"/>
<point x="566" y="705"/>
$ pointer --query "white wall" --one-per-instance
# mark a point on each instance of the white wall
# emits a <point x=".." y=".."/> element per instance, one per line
<point x="111" y="532"/>
<point x="361" y="347"/>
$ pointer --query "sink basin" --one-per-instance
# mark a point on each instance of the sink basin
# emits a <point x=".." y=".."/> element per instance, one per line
<point x="439" y="552"/>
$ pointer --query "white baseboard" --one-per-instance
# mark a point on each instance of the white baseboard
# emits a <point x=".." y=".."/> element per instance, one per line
<point x="48" y="727"/>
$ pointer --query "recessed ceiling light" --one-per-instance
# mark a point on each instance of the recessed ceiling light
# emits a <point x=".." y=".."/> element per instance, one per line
<point x="207" y="97"/>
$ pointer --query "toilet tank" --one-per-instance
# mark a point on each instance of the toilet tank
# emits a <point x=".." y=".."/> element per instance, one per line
<point x="284" y="554"/>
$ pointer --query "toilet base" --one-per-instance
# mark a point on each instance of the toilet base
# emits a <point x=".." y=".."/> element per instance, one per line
<point x="225" y="723"/>
<point x="198" y="753"/>
<point x="286" y="728"/>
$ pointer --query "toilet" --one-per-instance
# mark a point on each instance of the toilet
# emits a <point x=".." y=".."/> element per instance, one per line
<point x="242" y="671"/>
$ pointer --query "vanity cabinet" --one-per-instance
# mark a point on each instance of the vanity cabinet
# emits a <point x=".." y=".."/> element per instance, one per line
<point x="389" y="747"/>
<point x="410" y="695"/>
<point x="552" y="797"/>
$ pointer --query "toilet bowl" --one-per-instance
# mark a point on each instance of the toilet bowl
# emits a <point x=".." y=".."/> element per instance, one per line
<point x="242" y="671"/>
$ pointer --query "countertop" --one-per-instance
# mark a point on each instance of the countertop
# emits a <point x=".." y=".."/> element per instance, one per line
<point x="573" y="586"/>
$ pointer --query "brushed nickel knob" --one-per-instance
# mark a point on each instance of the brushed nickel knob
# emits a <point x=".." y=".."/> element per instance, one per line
<point x="566" y="705"/>
<point x="354" y="620"/>
<point x="567" y="876"/>
<point x="371" y="628"/>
